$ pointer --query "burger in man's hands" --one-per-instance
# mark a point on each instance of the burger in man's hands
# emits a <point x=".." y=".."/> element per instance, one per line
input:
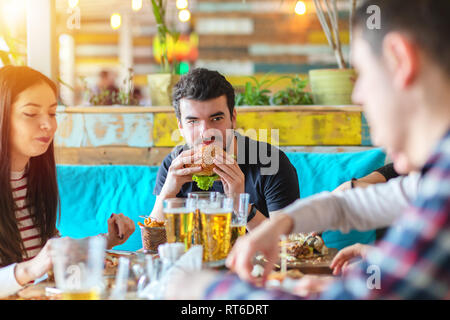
<point x="206" y="177"/>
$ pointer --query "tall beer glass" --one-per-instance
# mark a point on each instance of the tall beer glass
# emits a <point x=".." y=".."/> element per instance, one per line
<point x="196" y="197"/>
<point x="179" y="214"/>
<point x="216" y="231"/>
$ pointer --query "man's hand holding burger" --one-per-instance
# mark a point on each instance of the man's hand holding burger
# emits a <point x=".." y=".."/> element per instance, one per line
<point x="231" y="175"/>
<point x="179" y="173"/>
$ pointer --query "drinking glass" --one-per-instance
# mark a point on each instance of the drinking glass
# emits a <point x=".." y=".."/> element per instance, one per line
<point x="78" y="267"/>
<point x="179" y="216"/>
<point x="239" y="217"/>
<point x="196" y="197"/>
<point x="216" y="232"/>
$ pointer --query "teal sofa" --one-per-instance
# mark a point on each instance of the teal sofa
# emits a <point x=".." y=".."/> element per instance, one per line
<point x="90" y="194"/>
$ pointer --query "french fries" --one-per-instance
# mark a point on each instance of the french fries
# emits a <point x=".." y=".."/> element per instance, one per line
<point x="152" y="223"/>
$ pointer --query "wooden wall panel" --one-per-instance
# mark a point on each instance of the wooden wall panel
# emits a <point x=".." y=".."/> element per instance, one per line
<point x="95" y="130"/>
<point x="144" y="135"/>
<point x="295" y="128"/>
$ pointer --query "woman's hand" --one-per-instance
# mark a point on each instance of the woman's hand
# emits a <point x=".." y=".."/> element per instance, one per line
<point x="120" y="228"/>
<point x="35" y="268"/>
<point x="343" y="258"/>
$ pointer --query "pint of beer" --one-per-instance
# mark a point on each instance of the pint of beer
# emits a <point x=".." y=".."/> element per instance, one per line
<point x="179" y="214"/>
<point x="198" y="198"/>
<point x="239" y="218"/>
<point x="216" y="231"/>
<point x="236" y="232"/>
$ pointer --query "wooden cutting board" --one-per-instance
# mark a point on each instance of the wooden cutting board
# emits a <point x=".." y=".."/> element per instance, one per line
<point x="316" y="265"/>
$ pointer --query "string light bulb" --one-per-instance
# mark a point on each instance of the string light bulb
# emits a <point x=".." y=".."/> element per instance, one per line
<point x="73" y="3"/>
<point x="136" y="5"/>
<point x="182" y="4"/>
<point x="184" y="15"/>
<point x="300" y="8"/>
<point x="116" y="21"/>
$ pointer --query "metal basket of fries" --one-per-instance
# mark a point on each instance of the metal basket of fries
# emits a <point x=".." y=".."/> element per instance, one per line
<point x="153" y="234"/>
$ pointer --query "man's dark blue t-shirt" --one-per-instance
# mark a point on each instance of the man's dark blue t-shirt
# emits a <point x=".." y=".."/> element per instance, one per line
<point x="270" y="178"/>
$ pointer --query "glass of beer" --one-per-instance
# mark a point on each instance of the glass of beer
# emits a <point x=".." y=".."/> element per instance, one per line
<point x="78" y="267"/>
<point x="216" y="232"/>
<point x="179" y="216"/>
<point x="239" y="218"/>
<point x="196" y="197"/>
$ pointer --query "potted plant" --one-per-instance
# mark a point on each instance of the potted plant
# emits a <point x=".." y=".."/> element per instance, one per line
<point x="332" y="86"/>
<point x="161" y="84"/>
<point x="295" y="94"/>
<point x="257" y="93"/>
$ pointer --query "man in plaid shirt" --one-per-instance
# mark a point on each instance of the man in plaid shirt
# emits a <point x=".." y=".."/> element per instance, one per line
<point x="413" y="260"/>
<point x="404" y="86"/>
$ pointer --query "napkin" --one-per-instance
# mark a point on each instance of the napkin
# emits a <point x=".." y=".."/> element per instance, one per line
<point x="171" y="251"/>
<point x="174" y="264"/>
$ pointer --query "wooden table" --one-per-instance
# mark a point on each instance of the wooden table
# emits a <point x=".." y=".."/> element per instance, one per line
<point x="46" y="290"/>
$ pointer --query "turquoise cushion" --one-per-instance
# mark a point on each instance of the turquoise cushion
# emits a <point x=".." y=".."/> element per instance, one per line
<point x="319" y="172"/>
<point x="90" y="194"/>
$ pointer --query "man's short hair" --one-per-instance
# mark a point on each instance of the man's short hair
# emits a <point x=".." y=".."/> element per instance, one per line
<point x="426" y="21"/>
<point x="202" y="84"/>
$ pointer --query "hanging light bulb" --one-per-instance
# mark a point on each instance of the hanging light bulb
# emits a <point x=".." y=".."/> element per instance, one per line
<point x="73" y="3"/>
<point x="116" y="21"/>
<point x="300" y="8"/>
<point x="182" y="4"/>
<point x="184" y="15"/>
<point x="136" y="5"/>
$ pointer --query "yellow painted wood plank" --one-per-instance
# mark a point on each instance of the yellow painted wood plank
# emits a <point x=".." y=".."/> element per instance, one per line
<point x="109" y="38"/>
<point x="318" y="37"/>
<point x="165" y="130"/>
<point x="305" y="128"/>
<point x="294" y="128"/>
<point x="97" y="60"/>
<point x="96" y="38"/>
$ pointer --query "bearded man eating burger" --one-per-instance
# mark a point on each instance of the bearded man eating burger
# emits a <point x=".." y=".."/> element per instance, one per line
<point x="217" y="158"/>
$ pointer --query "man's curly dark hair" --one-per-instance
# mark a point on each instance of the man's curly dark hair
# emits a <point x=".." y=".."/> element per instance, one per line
<point x="202" y="84"/>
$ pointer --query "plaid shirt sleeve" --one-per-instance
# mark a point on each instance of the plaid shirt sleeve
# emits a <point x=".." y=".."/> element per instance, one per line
<point x="230" y="287"/>
<point x="411" y="262"/>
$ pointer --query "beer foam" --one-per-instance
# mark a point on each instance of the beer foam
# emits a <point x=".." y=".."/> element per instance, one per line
<point x="215" y="210"/>
<point x="178" y="210"/>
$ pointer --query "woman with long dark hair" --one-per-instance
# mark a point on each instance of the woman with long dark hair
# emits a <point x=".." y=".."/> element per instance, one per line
<point x="29" y="200"/>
